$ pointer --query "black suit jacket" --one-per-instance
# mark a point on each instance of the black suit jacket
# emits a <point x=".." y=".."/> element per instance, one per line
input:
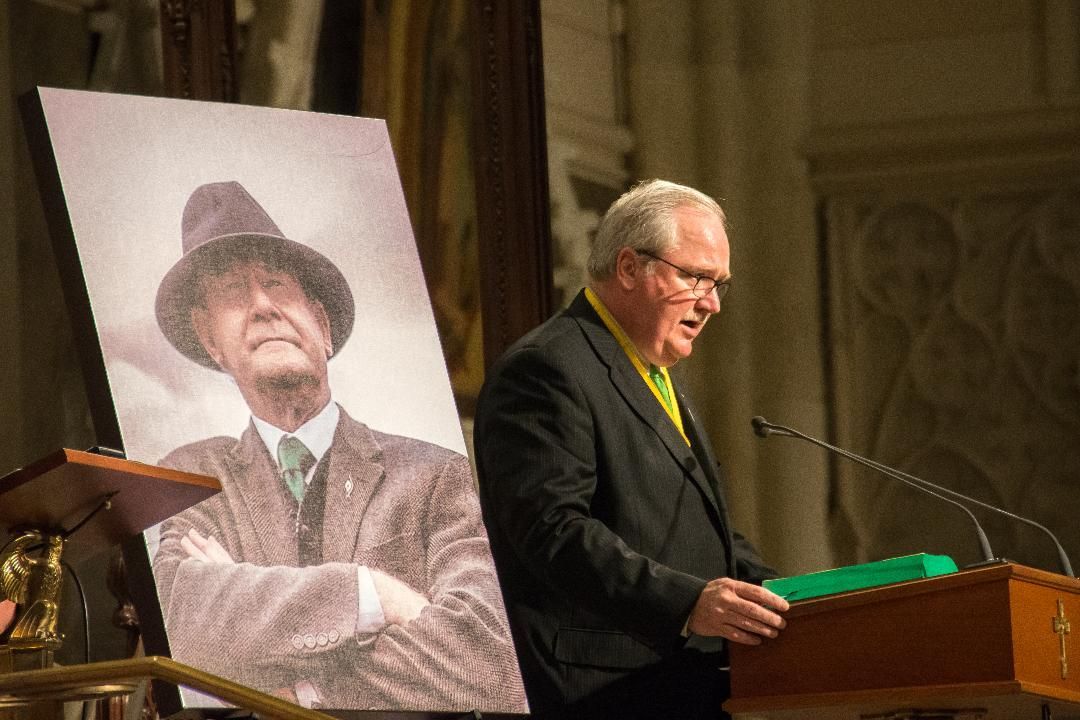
<point x="604" y="524"/>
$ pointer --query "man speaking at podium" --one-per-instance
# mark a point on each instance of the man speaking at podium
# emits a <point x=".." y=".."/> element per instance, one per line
<point x="340" y="567"/>
<point x="622" y="578"/>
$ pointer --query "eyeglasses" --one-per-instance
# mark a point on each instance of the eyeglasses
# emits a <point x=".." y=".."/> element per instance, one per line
<point x="703" y="284"/>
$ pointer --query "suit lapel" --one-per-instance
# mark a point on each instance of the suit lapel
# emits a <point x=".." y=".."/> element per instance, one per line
<point x="703" y="453"/>
<point x="355" y="472"/>
<point x="635" y="392"/>
<point x="712" y="472"/>
<point x="263" y="493"/>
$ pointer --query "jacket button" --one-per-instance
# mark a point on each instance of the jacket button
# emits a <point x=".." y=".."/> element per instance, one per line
<point x="297" y="642"/>
<point x="309" y="642"/>
<point x="321" y="639"/>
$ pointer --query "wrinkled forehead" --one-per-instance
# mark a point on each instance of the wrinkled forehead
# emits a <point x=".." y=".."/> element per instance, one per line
<point x="261" y="259"/>
<point x="215" y="271"/>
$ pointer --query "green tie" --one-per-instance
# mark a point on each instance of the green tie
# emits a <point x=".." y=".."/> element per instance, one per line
<point x="295" y="461"/>
<point x="658" y="378"/>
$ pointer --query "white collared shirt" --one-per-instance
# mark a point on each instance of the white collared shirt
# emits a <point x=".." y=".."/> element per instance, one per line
<point x="317" y="434"/>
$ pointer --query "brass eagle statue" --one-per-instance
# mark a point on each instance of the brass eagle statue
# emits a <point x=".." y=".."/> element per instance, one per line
<point x="31" y="576"/>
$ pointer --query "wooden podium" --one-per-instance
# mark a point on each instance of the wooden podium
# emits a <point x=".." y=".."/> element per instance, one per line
<point x="66" y="484"/>
<point x="981" y="644"/>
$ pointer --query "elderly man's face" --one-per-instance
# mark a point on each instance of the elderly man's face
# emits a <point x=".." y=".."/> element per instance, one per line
<point x="259" y="325"/>
<point x="669" y="315"/>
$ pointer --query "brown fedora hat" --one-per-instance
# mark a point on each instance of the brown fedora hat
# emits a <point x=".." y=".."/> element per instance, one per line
<point x="223" y="223"/>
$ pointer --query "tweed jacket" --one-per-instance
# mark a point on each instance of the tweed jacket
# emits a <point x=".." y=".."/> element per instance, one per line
<point x="395" y="504"/>
<point x="604" y="523"/>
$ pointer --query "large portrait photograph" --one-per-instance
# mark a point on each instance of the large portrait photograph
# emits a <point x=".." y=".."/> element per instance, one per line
<point x="262" y="318"/>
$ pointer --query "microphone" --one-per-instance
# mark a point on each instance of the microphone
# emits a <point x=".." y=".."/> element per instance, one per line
<point x="764" y="428"/>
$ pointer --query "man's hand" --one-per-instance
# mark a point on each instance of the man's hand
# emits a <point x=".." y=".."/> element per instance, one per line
<point x="286" y="694"/>
<point x="734" y="610"/>
<point x="400" y="603"/>
<point x="207" y="550"/>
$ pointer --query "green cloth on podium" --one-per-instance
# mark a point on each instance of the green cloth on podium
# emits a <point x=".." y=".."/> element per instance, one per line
<point x="857" y="577"/>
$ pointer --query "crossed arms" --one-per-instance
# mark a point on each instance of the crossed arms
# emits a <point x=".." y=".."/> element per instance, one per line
<point x="444" y="643"/>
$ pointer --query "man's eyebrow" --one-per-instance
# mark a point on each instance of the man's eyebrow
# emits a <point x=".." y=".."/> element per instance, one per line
<point x="698" y="272"/>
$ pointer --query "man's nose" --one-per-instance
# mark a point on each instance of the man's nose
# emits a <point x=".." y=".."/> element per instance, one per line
<point x="710" y="303"/>
<point x="259" y="300"/>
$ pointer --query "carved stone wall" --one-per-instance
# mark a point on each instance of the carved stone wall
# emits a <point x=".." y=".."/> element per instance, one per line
<point x="945" y="150"/>
<point x="957" y="358"/>
<point x="886" y="167"/>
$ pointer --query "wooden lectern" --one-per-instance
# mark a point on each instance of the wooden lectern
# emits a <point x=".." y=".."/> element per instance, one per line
<point x="63" y="486"/>
<point x="988" y="643"/>
<point x="73" y="504"/>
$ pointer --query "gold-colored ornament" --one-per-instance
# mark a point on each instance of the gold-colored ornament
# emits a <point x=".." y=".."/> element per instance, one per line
<point x="31" y="576"/>
<point x="1062" y="627"/>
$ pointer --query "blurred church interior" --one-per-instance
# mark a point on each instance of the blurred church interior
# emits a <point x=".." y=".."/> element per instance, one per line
<point x="902" y="182"/>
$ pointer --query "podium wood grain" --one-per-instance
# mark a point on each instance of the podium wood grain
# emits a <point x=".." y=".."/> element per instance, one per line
<point x="60" y="489"/>
<point x="977" y="635"/>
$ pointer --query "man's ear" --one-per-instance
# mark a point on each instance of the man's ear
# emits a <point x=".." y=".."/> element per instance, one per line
<point x="200" y="321"/>
<point x="627" y="269"/>
<point x="324" y="327"/>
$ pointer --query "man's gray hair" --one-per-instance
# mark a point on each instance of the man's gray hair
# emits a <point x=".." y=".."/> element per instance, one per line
<point x="642" y="220"/>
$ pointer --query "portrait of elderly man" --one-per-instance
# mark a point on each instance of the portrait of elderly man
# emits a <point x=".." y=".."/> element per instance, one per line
<point x="340" y="567"/>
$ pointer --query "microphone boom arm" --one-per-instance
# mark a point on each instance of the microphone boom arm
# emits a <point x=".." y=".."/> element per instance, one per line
<point x="764" y="428"/>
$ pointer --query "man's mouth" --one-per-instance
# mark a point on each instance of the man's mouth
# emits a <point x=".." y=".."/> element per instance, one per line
<point x="263" y="341"/>
<point x="693" y="324"/>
